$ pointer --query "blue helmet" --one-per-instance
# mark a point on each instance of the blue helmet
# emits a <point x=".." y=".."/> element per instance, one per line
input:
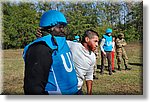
<point x="77" y="37"/>
<point x="51" y="18"/>
<point x="108" y="30"/>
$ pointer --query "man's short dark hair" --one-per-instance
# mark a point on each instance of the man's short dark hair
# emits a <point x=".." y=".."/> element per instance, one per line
<point x="89" y="33"/>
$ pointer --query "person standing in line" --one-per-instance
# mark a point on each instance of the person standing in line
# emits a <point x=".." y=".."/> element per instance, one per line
<point x="113" y="53"/>
<point x="106" y="49"/>
<point x="84" y="58"/>
<point x="76" y="38"/>
<point x="49" y="68"/>
<point x="95" y="66"/>
<point x="121" y="52"/>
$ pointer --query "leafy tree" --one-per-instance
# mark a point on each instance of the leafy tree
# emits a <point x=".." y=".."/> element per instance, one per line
<point x="20" y="20"/>
<point x="19" y="23"/>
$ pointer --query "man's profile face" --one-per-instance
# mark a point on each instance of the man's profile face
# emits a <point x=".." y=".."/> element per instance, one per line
<point x="93" y="43"/>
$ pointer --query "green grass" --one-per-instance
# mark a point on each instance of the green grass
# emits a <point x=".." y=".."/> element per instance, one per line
<point x="13" y="72"/>
<point x="120" y="83"/>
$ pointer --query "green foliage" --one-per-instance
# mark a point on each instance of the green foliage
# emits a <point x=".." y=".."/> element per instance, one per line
<point x="131" y="34"/>
<point x="19" y="23"/>
<point x="80" y="19"/>
<point x="120" y="83"/>
<point x="20" y="20"/>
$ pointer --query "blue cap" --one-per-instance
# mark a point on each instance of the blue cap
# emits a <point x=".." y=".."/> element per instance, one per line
<point x="109" y="30"/>
<point x="52" y="18"/>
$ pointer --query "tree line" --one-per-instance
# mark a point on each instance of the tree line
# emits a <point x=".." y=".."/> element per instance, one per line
<point x="21" y="20"/>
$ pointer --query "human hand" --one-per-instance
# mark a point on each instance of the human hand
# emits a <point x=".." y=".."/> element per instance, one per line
<point x="38" y="33"/>
<point x="104" y="53"/>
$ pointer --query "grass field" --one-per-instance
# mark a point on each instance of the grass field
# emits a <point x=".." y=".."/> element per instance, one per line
<point x="120" y="83"/>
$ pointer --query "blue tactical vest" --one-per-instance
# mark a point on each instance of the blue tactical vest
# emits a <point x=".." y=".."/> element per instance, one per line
<point x="62" y="77"/>
<point x="108" y="43"/>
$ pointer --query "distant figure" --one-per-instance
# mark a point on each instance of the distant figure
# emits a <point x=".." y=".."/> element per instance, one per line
<point x="76" y="39"/>
<point x="95" y="66"/>
<point x="121" y="53"/>
<point x="106" y="48"/>
<point x="113" y="53"/>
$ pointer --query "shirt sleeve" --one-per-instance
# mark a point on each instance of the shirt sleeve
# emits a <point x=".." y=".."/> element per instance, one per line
<point x="89" y="74"/>
<point x="37" y="65"/>
<point x="102" y="44"/>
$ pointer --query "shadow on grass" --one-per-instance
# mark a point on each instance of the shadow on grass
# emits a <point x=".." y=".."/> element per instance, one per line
<point x="136" y="64"/>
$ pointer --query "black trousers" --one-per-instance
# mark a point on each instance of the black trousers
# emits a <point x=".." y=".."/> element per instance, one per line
<point x="103" y="60"/>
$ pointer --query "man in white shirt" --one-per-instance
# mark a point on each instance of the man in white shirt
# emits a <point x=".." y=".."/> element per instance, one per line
<point x="84" y="58"/>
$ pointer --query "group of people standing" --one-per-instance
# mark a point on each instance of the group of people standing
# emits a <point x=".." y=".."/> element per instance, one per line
<point x="54" y="65"/>
<point x="110" y="45"/>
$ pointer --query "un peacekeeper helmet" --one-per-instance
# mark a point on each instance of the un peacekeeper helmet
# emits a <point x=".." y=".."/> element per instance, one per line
<point x="108" y="30"/>
<point x="77" y="37"/>
<point x="52" y="18"/>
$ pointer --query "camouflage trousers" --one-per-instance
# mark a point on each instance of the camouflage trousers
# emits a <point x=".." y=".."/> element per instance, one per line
<point x="120" y="56"/>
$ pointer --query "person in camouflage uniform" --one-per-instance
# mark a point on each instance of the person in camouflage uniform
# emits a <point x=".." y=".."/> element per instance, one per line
<point x="121" y="53"/>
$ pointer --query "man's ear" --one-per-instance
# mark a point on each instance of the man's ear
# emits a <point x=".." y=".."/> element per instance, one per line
<point x="87" y="39"/>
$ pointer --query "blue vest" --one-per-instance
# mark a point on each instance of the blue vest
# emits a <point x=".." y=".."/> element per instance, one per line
<point x="62" y="77"/>
<point x="108" y="43"/>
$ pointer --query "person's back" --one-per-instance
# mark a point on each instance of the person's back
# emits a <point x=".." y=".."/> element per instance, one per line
<point x="79" y="52"/>
<point x="32" y="56"/>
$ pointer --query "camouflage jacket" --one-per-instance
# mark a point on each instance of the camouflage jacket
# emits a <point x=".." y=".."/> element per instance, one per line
<point x="120" y="44"/>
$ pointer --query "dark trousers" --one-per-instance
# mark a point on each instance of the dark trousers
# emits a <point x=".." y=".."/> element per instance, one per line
<point x="80" y="92"/>
<point x="103" y="60"/>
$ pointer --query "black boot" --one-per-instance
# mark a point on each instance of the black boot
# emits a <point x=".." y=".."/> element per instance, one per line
<point x="119" y="68"/>
<point x="113" y="71"/>
<point x="101" y="71"/>
<point x="110" y="73"/>
<point x="126" y="68"/>
<point x="110" y="70"/>
<point x="94" y="77"/>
